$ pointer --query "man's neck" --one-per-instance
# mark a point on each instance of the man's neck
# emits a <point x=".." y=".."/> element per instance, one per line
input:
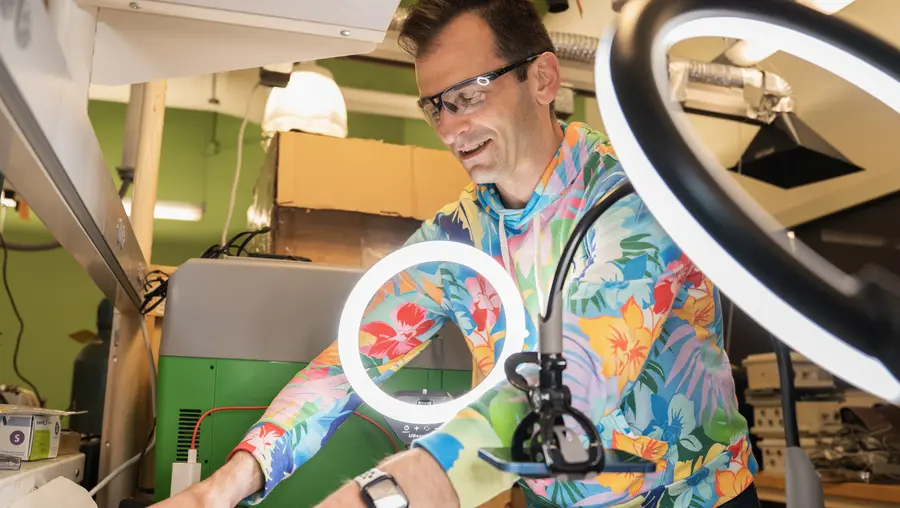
<point x="516" y="192"/>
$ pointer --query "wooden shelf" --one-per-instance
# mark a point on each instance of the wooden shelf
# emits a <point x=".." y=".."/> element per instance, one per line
<point x="771" y="488"/>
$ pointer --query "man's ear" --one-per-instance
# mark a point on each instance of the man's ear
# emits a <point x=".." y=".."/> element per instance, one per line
<point x="545" y="78"/>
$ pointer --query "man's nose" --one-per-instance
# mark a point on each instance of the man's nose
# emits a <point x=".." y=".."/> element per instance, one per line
<point x="450" y="126"/>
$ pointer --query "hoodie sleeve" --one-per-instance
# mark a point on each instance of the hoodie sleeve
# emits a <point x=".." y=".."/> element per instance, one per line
<point x="398" y="323"/>
<point x="597" y="277"/>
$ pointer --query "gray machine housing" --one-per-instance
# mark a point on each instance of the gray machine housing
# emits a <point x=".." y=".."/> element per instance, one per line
<point x="289" y="312"/>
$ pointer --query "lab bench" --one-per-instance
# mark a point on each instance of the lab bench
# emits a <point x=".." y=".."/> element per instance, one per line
<point x="837" y="495"/>
<point x="15" y="485"/>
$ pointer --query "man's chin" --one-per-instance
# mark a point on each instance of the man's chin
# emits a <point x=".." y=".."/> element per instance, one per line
<point x="481" y="175"/>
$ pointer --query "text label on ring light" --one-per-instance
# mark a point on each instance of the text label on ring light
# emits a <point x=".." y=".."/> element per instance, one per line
<point x="376" y="277"/>
<point x="762" y="304"/>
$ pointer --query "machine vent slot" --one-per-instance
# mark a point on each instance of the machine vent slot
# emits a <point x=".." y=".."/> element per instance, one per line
<point x="187" y="420"/>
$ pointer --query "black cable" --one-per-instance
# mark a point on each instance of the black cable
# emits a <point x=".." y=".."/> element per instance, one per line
<point x="788" y="393"/>
<point x="40" y="247"/>
<point x="15" y="309"/>
<point x="155" y="296"/>
<point x="577" y="236"/>
<point x="251" y="236"/>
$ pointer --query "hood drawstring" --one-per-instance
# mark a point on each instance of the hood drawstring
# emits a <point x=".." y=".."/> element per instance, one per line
<point x="507" y="260"/>
<point x="504" y="246"/>
<point x="536" y="235"/>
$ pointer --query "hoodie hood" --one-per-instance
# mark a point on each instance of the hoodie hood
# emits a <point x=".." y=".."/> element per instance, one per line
<point x="577" y="145"/>
<point x="566" y="167"/>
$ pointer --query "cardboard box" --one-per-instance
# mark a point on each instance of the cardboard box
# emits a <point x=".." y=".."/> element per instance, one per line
<point x="339" y="238"/>
<point x="30" y="433"/>
<point x="437" y="179"/>
<point x="361" y="175"/>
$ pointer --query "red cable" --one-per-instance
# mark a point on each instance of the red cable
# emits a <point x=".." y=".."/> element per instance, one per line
<point x="382" y="429"/>
<point x="215" y="409"/>
<point x="251" y="408"/>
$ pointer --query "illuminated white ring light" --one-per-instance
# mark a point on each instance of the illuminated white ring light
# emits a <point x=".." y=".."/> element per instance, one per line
<point x="384" y="270"/>
<point x="683" y="19"/>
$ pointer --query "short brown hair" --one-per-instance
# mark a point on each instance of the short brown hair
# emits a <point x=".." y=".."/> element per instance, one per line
<point x="518" y="30"/>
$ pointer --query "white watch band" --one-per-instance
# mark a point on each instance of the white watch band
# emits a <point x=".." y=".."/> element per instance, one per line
<point x="370" y="475"/>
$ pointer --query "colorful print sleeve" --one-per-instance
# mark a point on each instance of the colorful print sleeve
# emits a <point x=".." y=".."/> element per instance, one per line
<point x="609" y="328"/>
<point x="304" y="415"/>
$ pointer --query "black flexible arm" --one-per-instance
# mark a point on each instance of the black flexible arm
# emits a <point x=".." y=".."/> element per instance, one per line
<point x="788" y="393"/>
<point x="575" y="241"/>
<point x="542" y="436"/>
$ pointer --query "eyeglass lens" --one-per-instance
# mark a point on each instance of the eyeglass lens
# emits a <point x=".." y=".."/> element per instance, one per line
<point x="464" y="98"/>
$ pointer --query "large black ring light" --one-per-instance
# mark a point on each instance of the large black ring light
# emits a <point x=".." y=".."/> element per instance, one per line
<point x="848" y="325"/>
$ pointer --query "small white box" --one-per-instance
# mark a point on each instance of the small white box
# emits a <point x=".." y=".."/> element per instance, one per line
<point x="30" y="433"/>
<point x="29" y="437"/>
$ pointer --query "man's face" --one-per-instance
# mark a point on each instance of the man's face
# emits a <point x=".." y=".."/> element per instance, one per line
<point x="493" y="135"/>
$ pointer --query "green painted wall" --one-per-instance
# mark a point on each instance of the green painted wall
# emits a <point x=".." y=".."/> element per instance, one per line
<point x="53" y="293"/>
<point x="56" y="297"/>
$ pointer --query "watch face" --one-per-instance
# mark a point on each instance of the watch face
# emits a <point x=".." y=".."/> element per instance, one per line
<point x="386" y="493"/>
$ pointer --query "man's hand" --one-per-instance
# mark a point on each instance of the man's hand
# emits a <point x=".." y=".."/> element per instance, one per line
<point x="227" y="487"/>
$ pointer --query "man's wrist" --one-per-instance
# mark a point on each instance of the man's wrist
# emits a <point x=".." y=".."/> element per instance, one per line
<point x="417" y="473"/>
<point x="240" y="477"/>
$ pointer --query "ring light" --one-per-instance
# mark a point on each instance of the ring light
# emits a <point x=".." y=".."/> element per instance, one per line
<point x="815" y="309"/>
<point x="376" y="277"/>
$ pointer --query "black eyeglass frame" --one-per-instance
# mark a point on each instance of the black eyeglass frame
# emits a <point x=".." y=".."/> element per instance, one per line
<point x="482" y="79"/>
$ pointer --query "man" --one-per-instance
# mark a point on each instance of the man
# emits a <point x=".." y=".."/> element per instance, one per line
<point x="642" y="324"/>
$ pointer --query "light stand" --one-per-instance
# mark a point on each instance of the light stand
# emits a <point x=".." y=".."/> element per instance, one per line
<point x="849" y="325"/>
<point x="801" y="479"/>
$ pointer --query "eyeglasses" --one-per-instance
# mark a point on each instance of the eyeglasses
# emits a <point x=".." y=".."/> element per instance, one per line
<point x="466" y="96"/>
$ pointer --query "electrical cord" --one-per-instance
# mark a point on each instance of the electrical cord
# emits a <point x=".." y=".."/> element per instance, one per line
<point x="154" y="296"/>
<point x="15" y="308"/>
<point x="381" y="428"/>
<point x="237" y="169"/>
<point x="137" y="458"/>
<point x="156" y="284"/>
<point x="41" y="247"/>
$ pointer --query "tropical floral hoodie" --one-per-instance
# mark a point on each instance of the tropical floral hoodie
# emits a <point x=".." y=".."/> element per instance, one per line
<point x="642" y="338"/>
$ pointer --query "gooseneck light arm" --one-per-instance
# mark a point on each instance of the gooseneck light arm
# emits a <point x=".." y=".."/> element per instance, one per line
<point x="542" y="436"/>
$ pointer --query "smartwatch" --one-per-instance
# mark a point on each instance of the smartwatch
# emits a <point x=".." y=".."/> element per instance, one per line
<point x="380" y="490"/>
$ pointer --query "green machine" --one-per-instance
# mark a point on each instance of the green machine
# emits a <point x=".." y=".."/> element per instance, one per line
<point x="237" y="330"/>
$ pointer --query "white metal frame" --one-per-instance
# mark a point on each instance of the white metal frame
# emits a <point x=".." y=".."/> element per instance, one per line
<point x="52" y="157"/>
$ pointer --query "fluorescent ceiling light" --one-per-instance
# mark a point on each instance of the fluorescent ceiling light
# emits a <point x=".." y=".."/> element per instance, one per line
<point x="754" y="49"/>
<point x="7" y="202"/>
<point x="311" y="102"/>
<point x="171" y="210"/>
<point x="766" y="307"/>
<point x="383" y="271"/>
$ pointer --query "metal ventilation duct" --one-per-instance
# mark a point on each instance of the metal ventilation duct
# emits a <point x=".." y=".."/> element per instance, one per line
<point x="787" y="153"/>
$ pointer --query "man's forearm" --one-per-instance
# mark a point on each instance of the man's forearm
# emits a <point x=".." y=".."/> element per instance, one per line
<point x="418" y="474"/>
<point x="237" y="479"/>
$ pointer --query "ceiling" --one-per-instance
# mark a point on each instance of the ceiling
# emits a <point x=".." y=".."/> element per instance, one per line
<point x="854" y="123"/>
